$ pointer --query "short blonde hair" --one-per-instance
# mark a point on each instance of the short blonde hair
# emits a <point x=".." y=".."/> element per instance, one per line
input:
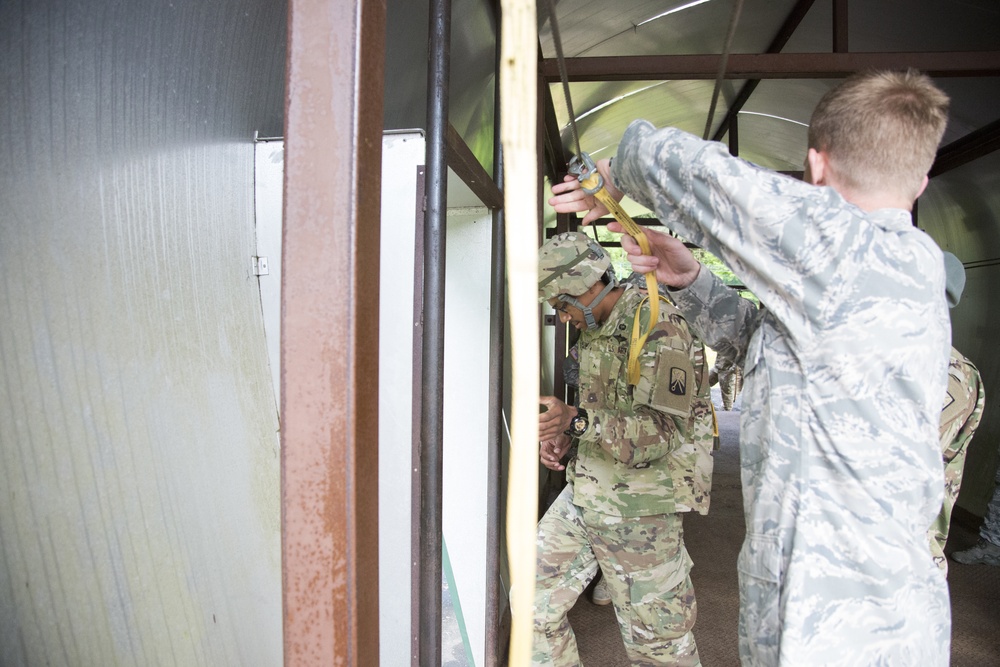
<point x="881" y="130"/>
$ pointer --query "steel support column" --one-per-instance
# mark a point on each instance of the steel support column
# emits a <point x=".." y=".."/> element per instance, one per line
<point x="432" y="421"/>
<point x="494" y="466"/>
<point x="329" y="411"/>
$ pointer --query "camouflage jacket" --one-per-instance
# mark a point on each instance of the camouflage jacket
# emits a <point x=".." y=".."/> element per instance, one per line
<point x="963" y="408"/>
<point x="648" y="448"/>
<point x="844" y="370"/>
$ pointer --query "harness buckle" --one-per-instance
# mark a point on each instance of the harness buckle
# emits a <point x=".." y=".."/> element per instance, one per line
<point x="582" y="166"/>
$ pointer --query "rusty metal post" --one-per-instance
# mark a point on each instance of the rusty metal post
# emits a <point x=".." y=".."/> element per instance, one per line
<point x="329" y="411"/>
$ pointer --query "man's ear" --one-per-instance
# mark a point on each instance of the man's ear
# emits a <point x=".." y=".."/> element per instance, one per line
<point x="818" y="164"/>
<point x="923" y="186"/>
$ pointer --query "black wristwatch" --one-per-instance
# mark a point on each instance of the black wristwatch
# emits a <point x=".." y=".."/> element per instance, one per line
<point x="578" y="424"/>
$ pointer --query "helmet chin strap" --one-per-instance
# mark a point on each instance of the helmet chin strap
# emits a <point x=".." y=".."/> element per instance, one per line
<point x="588" y="312"/>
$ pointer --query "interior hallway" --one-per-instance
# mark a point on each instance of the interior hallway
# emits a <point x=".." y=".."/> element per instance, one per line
<point x="714" y="542"/>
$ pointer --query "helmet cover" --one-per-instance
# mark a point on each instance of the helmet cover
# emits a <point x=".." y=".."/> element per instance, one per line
<point x="570" y="263"/>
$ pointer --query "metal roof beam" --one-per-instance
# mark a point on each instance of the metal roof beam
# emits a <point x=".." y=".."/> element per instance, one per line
<point x="771" y="66"/>
<point x="840" y="33"/>
<point x="466" y="166"/>
<point x="972" y="146"/>
<point x="792" y="22"/>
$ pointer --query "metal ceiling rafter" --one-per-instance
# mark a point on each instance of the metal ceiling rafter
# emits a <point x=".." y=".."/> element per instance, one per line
<point x="771" y="65"/>
<point x="466" y="166"/>
<point x="972" y="146"/>
<point x="792" y="22"/>
<point x="840" y="32"/>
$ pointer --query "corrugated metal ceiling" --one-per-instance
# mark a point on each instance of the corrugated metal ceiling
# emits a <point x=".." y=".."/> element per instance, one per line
<point x="772" y="129"/>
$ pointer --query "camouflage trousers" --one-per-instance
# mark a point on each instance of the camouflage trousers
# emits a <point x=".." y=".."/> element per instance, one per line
<point x="938" y="532"/>
<point x="646" y="567"/>
<point x="730" y="384"/>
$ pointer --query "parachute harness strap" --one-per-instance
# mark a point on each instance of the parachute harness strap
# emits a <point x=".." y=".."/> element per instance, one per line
<point x="582" y="166"/>
<point x="639" y="339"/>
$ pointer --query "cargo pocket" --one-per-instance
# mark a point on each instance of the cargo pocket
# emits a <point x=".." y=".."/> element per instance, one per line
<point x="759" y="566"/>
<point x="664" y="611"/>
<point x="753" y="450"/>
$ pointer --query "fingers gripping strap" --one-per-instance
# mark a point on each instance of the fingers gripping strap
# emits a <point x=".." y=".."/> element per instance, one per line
<point x="633" y="230"/>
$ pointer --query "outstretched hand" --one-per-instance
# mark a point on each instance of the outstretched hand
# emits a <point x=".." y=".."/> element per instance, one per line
<point x="672" y="261"/>
<point x="551" y="451"/>
<point x="569" y="196"/>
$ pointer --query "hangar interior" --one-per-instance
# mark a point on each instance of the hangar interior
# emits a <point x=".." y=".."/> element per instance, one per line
<point x="193" y="443"/>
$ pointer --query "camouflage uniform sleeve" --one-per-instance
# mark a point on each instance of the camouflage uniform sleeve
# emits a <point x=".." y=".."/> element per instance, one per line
<point x="960" y="416"/>
<point x="719" y="316"/>
<point x="571" y="367"/>
<point x="963" y="407"/>
<point x="635" y="438"/>
<point x="783" y="237"/>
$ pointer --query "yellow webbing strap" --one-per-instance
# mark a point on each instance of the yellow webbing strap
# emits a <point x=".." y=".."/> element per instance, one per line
<point x="633" y="230"/>
<point x="639" y="339"/>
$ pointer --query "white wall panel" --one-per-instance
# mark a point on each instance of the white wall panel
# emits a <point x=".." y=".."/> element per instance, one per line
<point x="466" y="427"/>
<point x="402" y="153"/>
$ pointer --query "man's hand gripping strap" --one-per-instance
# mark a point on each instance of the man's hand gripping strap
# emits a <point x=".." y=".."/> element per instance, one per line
<point x="582" y="166"/>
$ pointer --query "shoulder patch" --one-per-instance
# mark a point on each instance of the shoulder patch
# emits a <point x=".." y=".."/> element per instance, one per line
<point x="678" y="381"/>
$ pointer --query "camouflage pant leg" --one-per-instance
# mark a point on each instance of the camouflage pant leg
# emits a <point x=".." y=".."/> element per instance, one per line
<point x="990" y="530"/>
<point x="938" y="532"/>
<point x="730" y="384"/>
<point x="647" y="566"/>
<point x="566" y="564"/>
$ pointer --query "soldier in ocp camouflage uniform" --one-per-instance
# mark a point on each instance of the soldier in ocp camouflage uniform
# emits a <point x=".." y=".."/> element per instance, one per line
<point x="644" y="457"/>
<point x="960" y="416"/>
<point x="963" y="409"/>
<point x="844" y="368"/>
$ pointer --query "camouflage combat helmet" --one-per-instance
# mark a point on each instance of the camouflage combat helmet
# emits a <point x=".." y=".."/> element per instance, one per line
<point x="568" y="265"/>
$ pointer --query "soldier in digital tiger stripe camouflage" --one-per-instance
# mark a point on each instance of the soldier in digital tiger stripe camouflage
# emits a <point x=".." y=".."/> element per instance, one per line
<point x="644" y="457"/>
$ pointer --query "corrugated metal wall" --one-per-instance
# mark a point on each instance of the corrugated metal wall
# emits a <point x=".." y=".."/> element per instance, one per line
<point x="139" y="477"/>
